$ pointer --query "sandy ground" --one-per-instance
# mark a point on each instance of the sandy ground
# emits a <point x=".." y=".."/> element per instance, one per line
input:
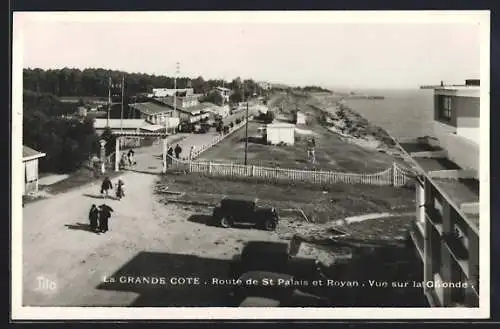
<point x="146" y="238"/>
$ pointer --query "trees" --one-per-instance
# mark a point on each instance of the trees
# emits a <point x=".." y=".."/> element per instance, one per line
<point x="213" y="97"/>
<point x="95" y="82"/>
<point x="236" y="97"/>
<point x="67" y="142"/>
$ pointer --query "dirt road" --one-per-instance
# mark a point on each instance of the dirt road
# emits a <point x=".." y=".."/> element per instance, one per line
<point x="64" y="264"/>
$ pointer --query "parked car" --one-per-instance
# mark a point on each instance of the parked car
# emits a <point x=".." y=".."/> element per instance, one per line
<point x="232" y="211"/>
<point x="202" y="128"/>
<point x="185" y="127"/>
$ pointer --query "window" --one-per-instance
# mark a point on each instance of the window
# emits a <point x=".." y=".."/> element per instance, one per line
<point x="445" y="108"/>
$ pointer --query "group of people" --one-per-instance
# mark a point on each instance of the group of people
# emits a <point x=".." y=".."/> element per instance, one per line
<point x="170" y="153"/>
<point x="128" y="159"/>
<point x="98" y="217"/>
<point x="106" y="186"/>
<point x="178" y="150"/>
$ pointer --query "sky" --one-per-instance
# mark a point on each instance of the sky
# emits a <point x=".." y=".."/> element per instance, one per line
<point x="379" y="53"/>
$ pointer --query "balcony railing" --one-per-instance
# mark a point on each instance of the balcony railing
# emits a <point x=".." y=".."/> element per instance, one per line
<point x="418" y="238"/>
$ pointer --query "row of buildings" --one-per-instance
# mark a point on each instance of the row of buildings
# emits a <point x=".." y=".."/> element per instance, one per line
<point x="166" y="108"/>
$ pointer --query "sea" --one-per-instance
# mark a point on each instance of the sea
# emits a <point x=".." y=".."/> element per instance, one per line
<point x="402" y="112"/>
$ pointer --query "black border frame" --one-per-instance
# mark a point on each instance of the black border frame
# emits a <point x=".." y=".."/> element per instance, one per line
<point x="144" y="5"/>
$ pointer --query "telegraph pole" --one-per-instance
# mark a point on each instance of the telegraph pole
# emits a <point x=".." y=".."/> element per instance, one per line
<point x="123" y="88"/>
<point x="109" y="100"/>
<point x="246" y="133"/>
<point x="175" y="85"/>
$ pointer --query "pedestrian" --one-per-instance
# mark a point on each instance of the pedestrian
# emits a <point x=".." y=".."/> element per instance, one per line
<point x="191" y="152"/>
<point x="120" y="192"/>
<point x="123" y="161"/>
<point x="106" y="186"/>
<point x="93" y="217"/>
<point x="130" y="156"/>
<point x="170" y="155"/>
<point x="104" y="215"/>
<point x="178" y="151"/>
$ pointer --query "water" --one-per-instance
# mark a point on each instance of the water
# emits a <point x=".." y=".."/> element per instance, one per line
<point x="403" y="113"/>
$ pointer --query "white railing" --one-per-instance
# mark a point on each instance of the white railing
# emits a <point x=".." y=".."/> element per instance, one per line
<point x="393" y="176"/>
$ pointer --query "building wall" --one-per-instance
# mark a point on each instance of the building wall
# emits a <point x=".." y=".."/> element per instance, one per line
<point x="442" y="260"/>
<point x="280" y="135"/>
<point x="30" y="176"/>
<point x="462" y="151"/>
<point x="301" y="119"/>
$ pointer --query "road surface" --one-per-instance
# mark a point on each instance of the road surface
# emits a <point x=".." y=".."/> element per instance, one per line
<point x="64" y="264"/>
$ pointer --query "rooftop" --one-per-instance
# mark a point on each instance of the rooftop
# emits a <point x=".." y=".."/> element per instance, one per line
<point x="28" y="152"/>
<point x="280" y="125"/>
<point x="150" y="108"/>
<point x="458" y="190"/>
<point x="100" y="123"/>
<point x="169" y="101"/>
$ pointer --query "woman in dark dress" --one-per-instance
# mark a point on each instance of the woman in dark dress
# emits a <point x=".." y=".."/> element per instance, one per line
<point x="104" y="215"/>
<point x="93" y="217"/>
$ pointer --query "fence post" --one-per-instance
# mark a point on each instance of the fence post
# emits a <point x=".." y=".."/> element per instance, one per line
<point x="210" y="167"/>
<point x="253" y="170"/>
<point x="394" y="183"/>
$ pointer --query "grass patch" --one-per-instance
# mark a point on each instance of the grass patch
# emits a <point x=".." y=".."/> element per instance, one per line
<point x="320" y="204"/>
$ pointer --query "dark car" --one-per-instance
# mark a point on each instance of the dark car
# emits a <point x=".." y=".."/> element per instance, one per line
<point x="185" y="127"/>
<point x="245" y="211"/>
<point x="202" y="128"/>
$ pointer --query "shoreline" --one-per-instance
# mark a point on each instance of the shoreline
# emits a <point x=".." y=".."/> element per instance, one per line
<point x="352" y="127"/>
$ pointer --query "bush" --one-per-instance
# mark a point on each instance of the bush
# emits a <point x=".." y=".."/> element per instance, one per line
<point x="226" y="129"/>
<point x="231" y="124"/>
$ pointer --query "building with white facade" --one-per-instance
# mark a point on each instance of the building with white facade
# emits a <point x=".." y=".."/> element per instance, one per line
<point x="30" y="168"/>
<point x="446" y="231"/>
<point x="169" y="92"/>
<point x="224" y="92"/>
<point x="277" y="133"/>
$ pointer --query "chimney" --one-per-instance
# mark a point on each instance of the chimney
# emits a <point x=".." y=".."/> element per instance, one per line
<point x="442" y="84"/>
<point x="472" y="82"/>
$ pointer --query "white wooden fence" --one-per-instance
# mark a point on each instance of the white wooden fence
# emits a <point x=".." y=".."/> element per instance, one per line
<point x="393" y="176"/>
<point x="217" y="139"/>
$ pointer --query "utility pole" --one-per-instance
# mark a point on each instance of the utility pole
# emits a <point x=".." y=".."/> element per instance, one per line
<point x="123" y="88"/>
<point x="246" y="134"/>
<point x="175" y="86"/>
<point x="109" y="100"/>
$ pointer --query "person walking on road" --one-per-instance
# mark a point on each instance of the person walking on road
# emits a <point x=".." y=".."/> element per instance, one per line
<point x="106" y="186"/>
<point x="191" y="153"/>
<point x="178" y="151"/>
<point x="104" y="215"/>
<point x="130" y="156"/>
<point x="170" y="156"/>
<point x="120" y="193"/>
<point x="93" y="217"/>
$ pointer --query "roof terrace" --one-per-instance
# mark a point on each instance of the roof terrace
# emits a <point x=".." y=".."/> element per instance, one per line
<point x="459" y="186"/>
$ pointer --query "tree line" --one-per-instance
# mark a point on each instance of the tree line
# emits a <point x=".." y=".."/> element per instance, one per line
<point x="94" y="82"/>
<point x="48" y="124"/>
